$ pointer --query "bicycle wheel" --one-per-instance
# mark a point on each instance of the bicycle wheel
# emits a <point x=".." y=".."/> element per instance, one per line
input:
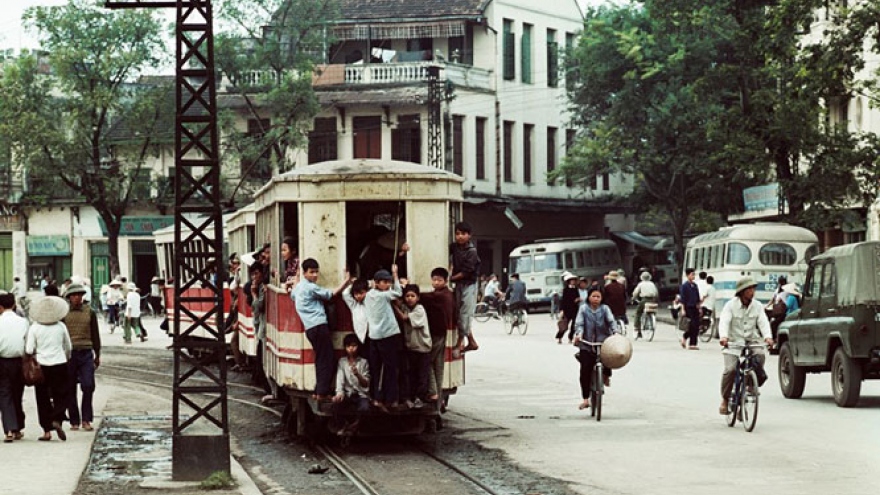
<point x="507" y="318"/>
<point x="733" y="404"/>
<point x="482" y="313"/>
<point x="622" y="326"/>
<point x="706" y="331"/>
<point x="649" y="322"/>
<point x="749" y="400"/>
<point x="523" y="326"/>
<point x="597" y="395"/>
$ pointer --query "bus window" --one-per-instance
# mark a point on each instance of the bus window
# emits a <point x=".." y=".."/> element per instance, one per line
<point x="579" y="258"/>
<point x="738" y="254"/>
<point x="569" y="261"/>
<point x="520" y="264"/>
<point x="719" y="256"/>
<point x="710" y="263"/>
<point x="547" y="262"/>
<point x="777" y="254"/>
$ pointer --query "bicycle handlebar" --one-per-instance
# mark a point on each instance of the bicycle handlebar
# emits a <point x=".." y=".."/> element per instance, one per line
<point x="743" y="345"/>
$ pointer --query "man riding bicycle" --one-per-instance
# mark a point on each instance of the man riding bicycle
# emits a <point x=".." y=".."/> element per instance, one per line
<point x="516" y="293"/>
<point x="492" y="293"/>
<point x="645" y="292"/>
<point x="742" y="320"/>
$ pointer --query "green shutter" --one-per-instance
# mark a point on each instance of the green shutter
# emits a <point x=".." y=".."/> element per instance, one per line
<point x="509" y="56"/>
<point x="552" y="64"/>
<point x="526" y="42"/>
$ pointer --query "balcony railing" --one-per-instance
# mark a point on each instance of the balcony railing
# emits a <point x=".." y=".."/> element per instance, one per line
<point x="369" y="74"/>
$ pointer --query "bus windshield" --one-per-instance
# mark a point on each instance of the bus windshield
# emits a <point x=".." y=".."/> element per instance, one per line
<point x="536" y="263"/>
<point x="520" y="264"/>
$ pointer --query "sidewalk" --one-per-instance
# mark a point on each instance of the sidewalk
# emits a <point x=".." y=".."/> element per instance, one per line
<point x="29" y="466"/>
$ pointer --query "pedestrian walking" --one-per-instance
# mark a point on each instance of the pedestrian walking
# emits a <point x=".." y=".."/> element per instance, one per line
<point x="49" y="342"/>
<point x="13" y="332"/>
<point x="690" y="299"/>
<point x="85" y="357"/>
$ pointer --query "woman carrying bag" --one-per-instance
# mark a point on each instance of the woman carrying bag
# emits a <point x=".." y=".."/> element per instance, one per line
<point x="49" y="342"/>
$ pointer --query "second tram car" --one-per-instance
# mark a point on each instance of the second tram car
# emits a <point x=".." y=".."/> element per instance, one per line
<point x="763" y="251"/>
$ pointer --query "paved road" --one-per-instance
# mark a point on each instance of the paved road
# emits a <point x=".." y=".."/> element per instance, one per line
<point x="661" y="432"/>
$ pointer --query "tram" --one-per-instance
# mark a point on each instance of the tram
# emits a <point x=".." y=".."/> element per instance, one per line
<point x="164" y="241"/>
<point x="541" y="264"/>
<point x="341" y="213"/>
<point x="240" y="227"/>
<point x="763" y="251"/>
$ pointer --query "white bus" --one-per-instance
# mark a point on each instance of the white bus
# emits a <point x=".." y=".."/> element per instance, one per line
<point x="763" y="251"/>
<point x="541" y="264"/>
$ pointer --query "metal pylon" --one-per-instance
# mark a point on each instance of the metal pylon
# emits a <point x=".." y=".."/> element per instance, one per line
<point x="200" y="440"/>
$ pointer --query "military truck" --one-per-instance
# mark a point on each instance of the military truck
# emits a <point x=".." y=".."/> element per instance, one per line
<point x="837" y="328"/>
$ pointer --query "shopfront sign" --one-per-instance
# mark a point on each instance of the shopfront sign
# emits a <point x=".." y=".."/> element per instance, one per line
<point x="48" y="245"/>
<point x="132" y="226"/>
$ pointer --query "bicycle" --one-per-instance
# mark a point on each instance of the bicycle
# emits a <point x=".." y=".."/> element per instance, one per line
<point x="516" y="317"/>
<point x="649" y="320"/>
<point x="597" y="382"/>
<point x="147" y="308"/>
<point x="743" y="402"/>
<point x="621" y="324"/>
<point x="708" y="327"/>
<point x="484" y="311"/>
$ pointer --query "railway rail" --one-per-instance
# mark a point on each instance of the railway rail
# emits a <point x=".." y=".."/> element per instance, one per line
<point x="368" y="472"/>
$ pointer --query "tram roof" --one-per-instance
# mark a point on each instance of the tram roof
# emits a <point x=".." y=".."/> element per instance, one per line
<point x="362" y="170"/>
<point x="768" y="231"/>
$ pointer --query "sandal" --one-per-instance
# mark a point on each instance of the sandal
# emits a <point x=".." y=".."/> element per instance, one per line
<point x="8" y="438"/>
<point x="585" y="404"/>
<point x="87" y="426"/>
<point x="47" y="437"/>
<point x="74" y="427"/>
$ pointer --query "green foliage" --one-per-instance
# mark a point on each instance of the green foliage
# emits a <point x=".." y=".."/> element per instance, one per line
<point x="77" y="123"/>
<point x="218" y="480"/>
<point x="268" y="52"/>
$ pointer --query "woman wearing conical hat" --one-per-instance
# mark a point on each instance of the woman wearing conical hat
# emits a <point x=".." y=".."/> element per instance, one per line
<point x="49" y="342"/>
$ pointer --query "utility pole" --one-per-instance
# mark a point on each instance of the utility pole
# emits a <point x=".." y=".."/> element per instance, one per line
<point x="200" y="441"/>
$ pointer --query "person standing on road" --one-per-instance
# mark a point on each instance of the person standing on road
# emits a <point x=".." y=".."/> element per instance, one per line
<point x="85" y="356"/>
<point x="595" y="323"/>
<point x="465" y="272"/>
<point x="742" y="320"/>
<point x="690" y="299"/>
<point x="569" y="307"/>
<point x="13" y="331"/>
<point x="615" y="296"/>
<point x="49" y="341"/>
<point x="645" y="292"/>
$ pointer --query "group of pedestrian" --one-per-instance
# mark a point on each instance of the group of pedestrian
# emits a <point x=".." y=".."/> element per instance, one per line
<point x="64" y="340"/>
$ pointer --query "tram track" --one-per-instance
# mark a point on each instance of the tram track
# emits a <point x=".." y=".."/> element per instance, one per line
<point x="367" y="475"/>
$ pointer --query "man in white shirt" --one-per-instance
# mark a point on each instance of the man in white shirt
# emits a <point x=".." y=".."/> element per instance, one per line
<point x="13" y="330"/>
<point x="132" y="315"/>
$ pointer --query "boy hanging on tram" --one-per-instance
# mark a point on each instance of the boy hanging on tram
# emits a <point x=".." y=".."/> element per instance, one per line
<point x="417" y="340"/>
<point x="442" y="318"/>
<point x="385" y="339"/>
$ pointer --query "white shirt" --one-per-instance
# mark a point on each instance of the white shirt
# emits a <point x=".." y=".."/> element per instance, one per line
<point x="19" y="290"/>
<point x="709" y="302"/>
<point x="491" y="289"/>
<point x="133" y="305"/>
<point x="739" y="323"/>
<point x="358" y="314"/>
<point x="13" y="332"/>
<point x="646" y="288"/>
<point x="703" y="287"/>
<point x="50" y="343"/>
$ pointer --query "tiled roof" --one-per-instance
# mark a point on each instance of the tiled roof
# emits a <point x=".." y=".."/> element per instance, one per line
<point x="402" y="10"/>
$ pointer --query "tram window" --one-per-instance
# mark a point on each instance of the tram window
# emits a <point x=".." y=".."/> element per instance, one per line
<point x="520" y="264"/>
<point x="738" y="254"/>
<point x="777" y="254"/>
<point x="546" y="262"/>
<point x="569" y="261"/>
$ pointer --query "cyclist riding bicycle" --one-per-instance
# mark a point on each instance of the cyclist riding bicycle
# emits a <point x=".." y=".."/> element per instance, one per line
<point x="516" y="293"/>
<point x="742" y="320"/>
<point x="492" y="293"/>
<point x="595" y="323"/>
<point x="645" y="292"/>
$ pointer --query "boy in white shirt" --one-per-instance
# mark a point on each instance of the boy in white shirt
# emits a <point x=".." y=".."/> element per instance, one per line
<point x="132" y="315"/>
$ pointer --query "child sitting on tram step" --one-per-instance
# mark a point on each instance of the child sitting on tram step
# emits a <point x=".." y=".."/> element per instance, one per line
<point x="354" y="296"/>
<point x="442" y="318"/>
<point x="352" y="382"/>
<point x="417" y="338"/>
<point x="309" y="299"/>
<point x="385" y="339"/>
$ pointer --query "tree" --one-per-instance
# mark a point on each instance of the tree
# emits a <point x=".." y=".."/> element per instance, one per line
<point x="269" y="54"/>
<point x="638" y="100"/>
<point x="60" y="124"/>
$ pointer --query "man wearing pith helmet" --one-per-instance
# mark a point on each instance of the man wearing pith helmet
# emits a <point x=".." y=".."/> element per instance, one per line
<point x="82" y="325"/>
<point x="743" y="321"/>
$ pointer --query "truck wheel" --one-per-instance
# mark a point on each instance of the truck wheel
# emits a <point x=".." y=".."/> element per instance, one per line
<point x="846" y="379"/>
<point x="792" y="377"/>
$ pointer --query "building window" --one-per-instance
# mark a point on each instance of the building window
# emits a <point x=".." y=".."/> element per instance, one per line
<point x="508" y="151"/>
<point x="461" y="48"/>
<point x="552" y="59"/>
<point x="406" y="140"/>
<point x="606" y="182"/>
<point x="528" y="134"/>
<point x="571" y="71"/>
<point x="323" y="140"/>
<point x="458" y="144"/>
<point x="570" y="136"/>
<point x="367" y="137"/>
<point x="256" y="161"/>
<point x="551" y="153"/>
<point x="141" y="184"/>
<point x="480" y="147"/>
<point x="526" y="42"/>
<point x="509" y="51"/>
